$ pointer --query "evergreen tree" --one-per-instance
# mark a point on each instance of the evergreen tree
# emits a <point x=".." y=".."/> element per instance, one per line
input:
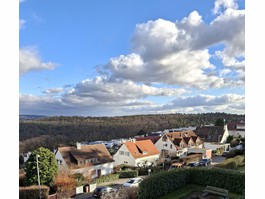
<point x="47" y="167"/>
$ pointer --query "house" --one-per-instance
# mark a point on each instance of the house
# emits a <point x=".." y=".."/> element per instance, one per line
<point x="94" y="160"/>
<point x="137" y="153"/>
<point x="214" y="137"/>
<point x="176" y="143"/>
<point x="154" y="139"/>
<point x="236" y="128"/>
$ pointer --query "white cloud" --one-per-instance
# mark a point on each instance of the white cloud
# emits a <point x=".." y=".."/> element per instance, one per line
<point x="22" y="24"/>
<point x="207" y="103"/>
<point x="53" y="90"/>
<point x="29" y="60"/>
<point x="218" y="4"/>
<point x="103" y="90"/>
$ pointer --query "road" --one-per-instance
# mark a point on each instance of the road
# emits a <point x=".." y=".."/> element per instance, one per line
<point x="115" y="184"/>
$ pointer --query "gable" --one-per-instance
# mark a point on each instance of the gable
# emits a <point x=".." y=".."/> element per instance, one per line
<point x="210" y="133"/>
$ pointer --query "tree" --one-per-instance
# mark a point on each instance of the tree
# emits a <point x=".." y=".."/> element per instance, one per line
<point x="47" y="167"/>
<point x="219" y="122"/>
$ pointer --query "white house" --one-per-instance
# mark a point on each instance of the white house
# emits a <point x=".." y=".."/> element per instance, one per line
<point x="176" y="143"/>
<point x="138" y="153"/>
<point x="236" y="128"/>
<point x="214" y="137"/>
<point x="94" y="160"/>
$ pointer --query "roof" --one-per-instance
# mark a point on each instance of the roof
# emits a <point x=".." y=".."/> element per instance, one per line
<point x="72" y="155"/>
<point x="179" y="134"/>
<point x="238" y="126"/>
<point x="210" y="133"/>
<point x="154" y="139"/>
<point x="143" y="148"/>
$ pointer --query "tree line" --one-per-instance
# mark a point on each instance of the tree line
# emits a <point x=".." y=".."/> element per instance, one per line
<point x="51" y="132"/>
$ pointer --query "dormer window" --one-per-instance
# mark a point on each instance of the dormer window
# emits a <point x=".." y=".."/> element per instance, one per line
<point x="145" y="152"/>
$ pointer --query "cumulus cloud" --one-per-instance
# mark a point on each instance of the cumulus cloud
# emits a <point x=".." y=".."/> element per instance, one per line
<point x="29" y="60"/>
<point x="103" y="90"/>
<point x="218" y="4"/>
<point x="230" y="103"/>
<point x="177" y="53"/>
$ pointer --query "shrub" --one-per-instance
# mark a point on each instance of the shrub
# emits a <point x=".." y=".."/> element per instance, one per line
<point x="128" y="173"/>
<point x="64" y="182"/>
<point x="124" y="192"/>
<point x="234" y="153"/>
<point x="231" y="180"/>
<point x="106" y="178"/>
<point x="232" y="163"/>
<point x="164" y="182"/>
<point x="32" y="192"/>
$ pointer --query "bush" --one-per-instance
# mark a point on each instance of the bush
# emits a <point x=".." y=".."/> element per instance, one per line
<point x="235" y="153"/>
<point x="161" y="183"/>
<point x="231" y="180"/>
<point x="32" y="192"/>
<point x="232" y="163"/>
<point x="128" y="174"/>
<point x="106" y="178"/>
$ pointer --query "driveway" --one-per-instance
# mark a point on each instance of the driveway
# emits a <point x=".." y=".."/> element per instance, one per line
<point x="115" y="184"/>
<point x="217" y="159"/>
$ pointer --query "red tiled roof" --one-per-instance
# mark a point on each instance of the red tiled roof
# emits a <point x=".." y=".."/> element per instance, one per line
<point x="140" y="149"/>
<point x="154" y="139"/>
<point x="210" y="133"/>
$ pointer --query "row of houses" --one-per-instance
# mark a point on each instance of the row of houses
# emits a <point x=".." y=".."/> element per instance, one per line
<point x="95" y="160"/>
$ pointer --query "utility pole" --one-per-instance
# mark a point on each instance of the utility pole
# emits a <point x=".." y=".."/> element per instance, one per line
<point x="37" y="156"/>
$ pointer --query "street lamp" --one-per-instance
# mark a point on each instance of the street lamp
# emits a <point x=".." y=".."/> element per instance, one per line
<point x="37" y="156"/>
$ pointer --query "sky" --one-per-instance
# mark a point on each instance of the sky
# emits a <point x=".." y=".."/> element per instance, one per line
<point x="112" y="58"/>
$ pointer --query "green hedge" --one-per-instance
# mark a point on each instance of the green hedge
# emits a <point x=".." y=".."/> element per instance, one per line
<point x="161" y="183"/>
<point x="106" y="178"/>
<point x="234" y="181"/>
<point x="32" y="192"/>
<point x="232" y="163"/>
<point x="165" y="182"/>
<point x="128" y="174"/>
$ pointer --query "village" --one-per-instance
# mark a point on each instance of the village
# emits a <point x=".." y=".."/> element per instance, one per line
<point x="137" y="157"/>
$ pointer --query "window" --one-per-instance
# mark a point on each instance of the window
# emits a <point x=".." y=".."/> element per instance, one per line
<point x="121" y="152"/>
<point x="170" y="146"/>
<point x="165" y="145"/>
<point x="125" y="162"/>
<point x="127" y="153"/>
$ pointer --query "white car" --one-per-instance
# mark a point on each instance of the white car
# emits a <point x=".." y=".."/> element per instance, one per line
<point x="134" y="182"/>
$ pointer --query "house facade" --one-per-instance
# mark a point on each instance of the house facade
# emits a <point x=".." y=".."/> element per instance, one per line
<point x="177" y="143"/>
<point x="236" y="129"/>
<point x="138" y="153"/>
<point x="214" y="137"/>
<point x="90" y="160"/>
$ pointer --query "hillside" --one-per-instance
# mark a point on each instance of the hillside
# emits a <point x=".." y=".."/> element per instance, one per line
<point x="53" y="131"/>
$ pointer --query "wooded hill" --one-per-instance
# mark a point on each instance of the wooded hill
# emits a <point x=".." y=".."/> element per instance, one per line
<point x="51" y="132"/>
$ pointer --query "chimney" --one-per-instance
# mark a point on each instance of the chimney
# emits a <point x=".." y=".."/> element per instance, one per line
<point x="78" y="145"/>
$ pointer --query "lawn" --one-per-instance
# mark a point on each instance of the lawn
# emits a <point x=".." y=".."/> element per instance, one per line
<point x="184" y="191"/>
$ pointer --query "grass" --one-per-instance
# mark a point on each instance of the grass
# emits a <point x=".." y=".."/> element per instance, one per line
<point x="183" y="191"/>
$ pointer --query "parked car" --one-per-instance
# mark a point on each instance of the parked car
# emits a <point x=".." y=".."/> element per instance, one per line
<point x="205" y="162"/>
<point x="102" y="190"/>
<point x="134" y="182"/>
<point x="175" y="166"/>
<point x="193" y="164"/>
<point x="224" y="154"/>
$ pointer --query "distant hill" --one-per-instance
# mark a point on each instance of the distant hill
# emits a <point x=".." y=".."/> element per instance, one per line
<point x="31" y="117"/>
<point x="53" y="131"/>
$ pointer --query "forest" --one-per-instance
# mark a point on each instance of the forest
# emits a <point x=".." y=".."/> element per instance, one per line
<point x="51" y="132"/>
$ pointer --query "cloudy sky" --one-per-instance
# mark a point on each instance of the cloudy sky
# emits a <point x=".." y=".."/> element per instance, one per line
<point x="108" y="58"/>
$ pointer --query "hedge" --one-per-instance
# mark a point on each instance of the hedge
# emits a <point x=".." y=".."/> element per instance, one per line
<point x="128" y="174"/>
<point x="159" y="184"/>
<point x="32" y="192"/>
<point x="106" y="178"/>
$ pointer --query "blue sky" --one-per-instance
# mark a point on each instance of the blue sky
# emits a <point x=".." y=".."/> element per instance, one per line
<point x="108" y="58"/>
